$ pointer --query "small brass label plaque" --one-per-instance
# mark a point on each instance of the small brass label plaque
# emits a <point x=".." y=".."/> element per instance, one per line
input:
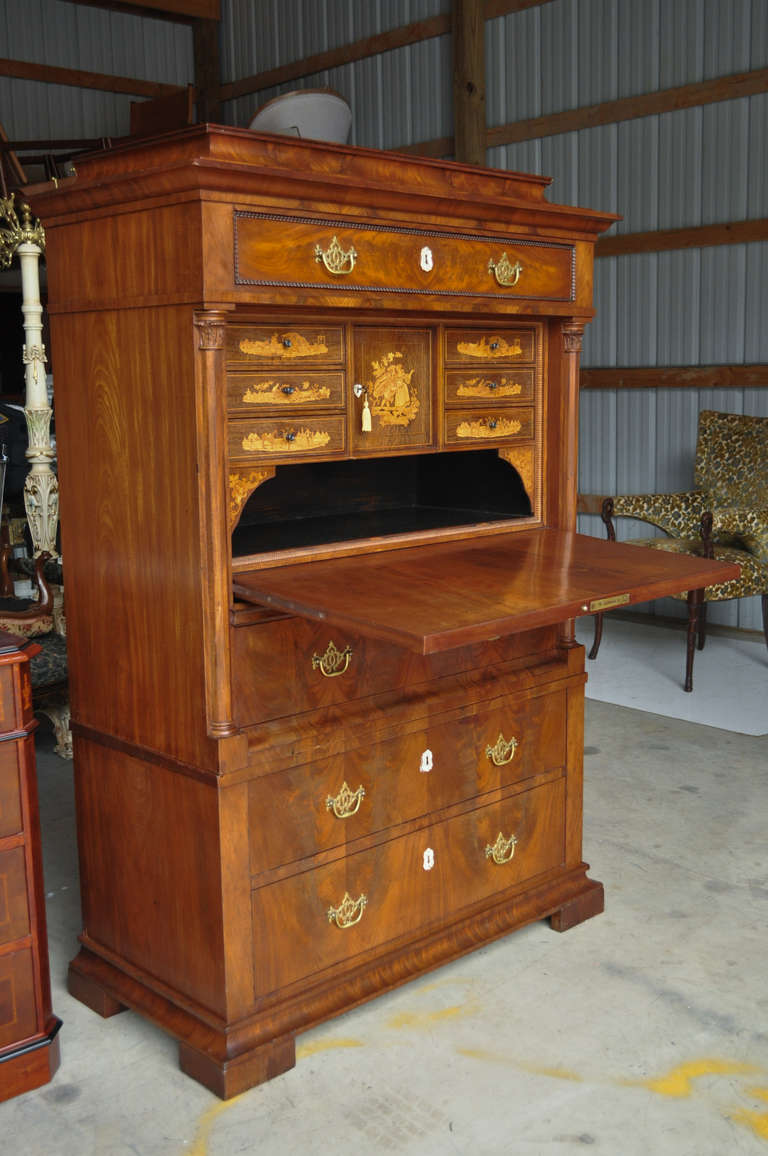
<point x="608" y="603"/>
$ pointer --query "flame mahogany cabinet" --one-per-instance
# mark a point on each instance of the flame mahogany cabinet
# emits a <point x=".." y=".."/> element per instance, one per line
<point x="29" y="1045"/>
<point x="317" y="420"/>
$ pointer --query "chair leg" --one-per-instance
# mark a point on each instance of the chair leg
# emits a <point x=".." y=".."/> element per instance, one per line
<point x="765" y="618"/>
<point x="599" y="635"/>
<point x="695" y="599"/>
<point x="702" y="631"/>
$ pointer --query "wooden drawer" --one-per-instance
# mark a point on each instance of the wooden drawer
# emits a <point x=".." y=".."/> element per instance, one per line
<point x="400" y="887"/>
<point x="498" y="387"/>
<point x="283" y="438"/>
<point x="473" y="346"/>
<point x="463" y="427"/>
<point x="10" y="799"/>
<point x="293" y="345"/>
<point x="278" y="666"/>
<point x="295" y="813"/>
<point x="18" y="1015"/>
<point x="334" y="254"/>
<point x="247" y="392"/>
<point x="14" y="911"/>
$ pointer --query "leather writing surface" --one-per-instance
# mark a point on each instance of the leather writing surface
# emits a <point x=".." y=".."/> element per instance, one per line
<point x="433" y="598"/>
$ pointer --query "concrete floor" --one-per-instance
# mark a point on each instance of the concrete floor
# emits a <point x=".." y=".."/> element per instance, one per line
<point x="643" y="1032"/>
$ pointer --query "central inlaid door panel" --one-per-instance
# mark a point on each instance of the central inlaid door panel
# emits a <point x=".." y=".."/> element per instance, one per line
<point x="392" y="389"/>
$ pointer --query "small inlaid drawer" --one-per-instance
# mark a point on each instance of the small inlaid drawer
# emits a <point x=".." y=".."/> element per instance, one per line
<point x="14" y="910"/>
<point x="10" y="800"/>
<point x="321" y="918"/>
<point x="284" y="438"/>
<point x="277" y="390"/>
<point x="368" y="789"/>
<point x="465" y="387"/>
<point x="465" y="427"/>
<point x="292" y="345"/>
<point x="489" y="345"/>
<point x="18" y="1015"/>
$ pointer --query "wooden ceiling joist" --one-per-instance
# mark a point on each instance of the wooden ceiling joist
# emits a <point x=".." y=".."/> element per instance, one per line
<point x="677" y="377"/>
<point x="696" y="237"/>
<point x="361" y="49"/>
<point x="77" y="78"/>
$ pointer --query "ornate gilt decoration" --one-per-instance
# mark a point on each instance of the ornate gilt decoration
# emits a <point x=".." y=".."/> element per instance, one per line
<point x="497" y="347"/>
<point x="573" y="332"/>
<point x="41" y="502"/>
<point x="336" y="260"/>
<point x="278" y="441"/>
<point x="504" y="271"/>
<point x="346" y="803"/>
<point x="522" y="460"/>
<point x="334" y="662"/>
<point x="481" y="387"/>
<point x="502" y="752"/>
<point x="241" y="486"/>
<point x="390" y="391"/>
<point x="349" y="912"/>
<point x="285" y="346"/>
<point x="17" y="231"/>
<point x="284" y="393"/>
<point x="502" y="850"/>
<point x="491" y="427"/>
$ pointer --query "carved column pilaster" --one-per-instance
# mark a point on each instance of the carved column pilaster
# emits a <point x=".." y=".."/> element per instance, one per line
<point x="572" y="335"/>
<point x="213" y="481"/>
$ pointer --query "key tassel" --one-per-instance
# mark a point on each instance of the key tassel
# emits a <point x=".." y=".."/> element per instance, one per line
<point x="366" y="416"/>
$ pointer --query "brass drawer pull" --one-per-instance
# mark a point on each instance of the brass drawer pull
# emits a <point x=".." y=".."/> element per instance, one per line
<point x="335" y="259"/>
<point x="504" y="271"/>
<point x="346" y="803"/>
<point x="334" y="662"/>
<point x="502" y="850"/>
<point x="349" y="912"/>
<point x="503" y="752"/>
<point x="288" y="389"/>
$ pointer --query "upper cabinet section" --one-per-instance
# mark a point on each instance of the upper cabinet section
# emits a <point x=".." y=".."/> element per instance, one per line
<point x="224" y="215"/>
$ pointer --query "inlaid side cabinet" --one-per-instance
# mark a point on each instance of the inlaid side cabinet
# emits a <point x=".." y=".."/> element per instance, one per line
<point x="317" y="431"/>
<point x="29" y="1045"/>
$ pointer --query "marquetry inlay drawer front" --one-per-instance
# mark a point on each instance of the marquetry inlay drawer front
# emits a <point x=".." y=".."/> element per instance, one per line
<point x="495" y="386"/>
<point x="283" y="390"/>
<point x="290" y="665"/>
<point x="323" y="917"/>
<point x="289" y="346"/>
<point x="14" y="910"/>
<point x="334" y="254"/>
<point x="285" y="437"/>
<point x="18" y="1015"/>
<point x="465" y="427"/>
<point x="482" y="347"/>
<point x="295" y="813"/>
<point x="10" y="800"/>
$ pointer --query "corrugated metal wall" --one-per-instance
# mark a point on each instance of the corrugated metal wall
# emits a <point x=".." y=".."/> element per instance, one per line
<point x="692" y="167"/>
<point x="91" y="39"/>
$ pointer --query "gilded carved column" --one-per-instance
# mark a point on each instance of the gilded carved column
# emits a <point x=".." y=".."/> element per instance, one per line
<point x="26" y="238"/>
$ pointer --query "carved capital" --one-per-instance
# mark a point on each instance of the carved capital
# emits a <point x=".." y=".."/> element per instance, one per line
<point x="210" y="330"/>
<point x="15" y="230"/>
<point x="573" y="332"/>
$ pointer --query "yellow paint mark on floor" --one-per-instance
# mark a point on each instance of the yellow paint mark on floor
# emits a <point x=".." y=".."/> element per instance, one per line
<point x="428" y="1018"/>
<point x="536" y="1069"/>
<point x="759" y="1093"/>
<point x="315" y="1046"/>
<point x="677" y="1083"/>
<point x="205" y="1123"/>
<point x="757" y="1121"/>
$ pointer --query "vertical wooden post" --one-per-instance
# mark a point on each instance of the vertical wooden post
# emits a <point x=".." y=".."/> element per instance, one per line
<point x="205" y="35"/>
<point x="469" y="81"/>
<point x="572" y="335"/>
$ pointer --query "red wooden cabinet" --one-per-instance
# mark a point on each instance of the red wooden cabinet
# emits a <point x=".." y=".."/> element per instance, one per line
<point x="29" y="1046"/>
<point x="316" y="417"/>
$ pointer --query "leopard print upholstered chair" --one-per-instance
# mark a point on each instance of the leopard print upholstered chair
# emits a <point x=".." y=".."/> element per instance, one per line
<point x="725" y="516"/>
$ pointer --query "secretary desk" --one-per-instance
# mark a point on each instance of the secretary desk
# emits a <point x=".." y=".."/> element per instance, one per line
<point x="316" y="411"/>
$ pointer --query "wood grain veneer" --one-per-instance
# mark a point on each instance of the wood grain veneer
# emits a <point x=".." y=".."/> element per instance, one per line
<point x="211" y="729"/>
